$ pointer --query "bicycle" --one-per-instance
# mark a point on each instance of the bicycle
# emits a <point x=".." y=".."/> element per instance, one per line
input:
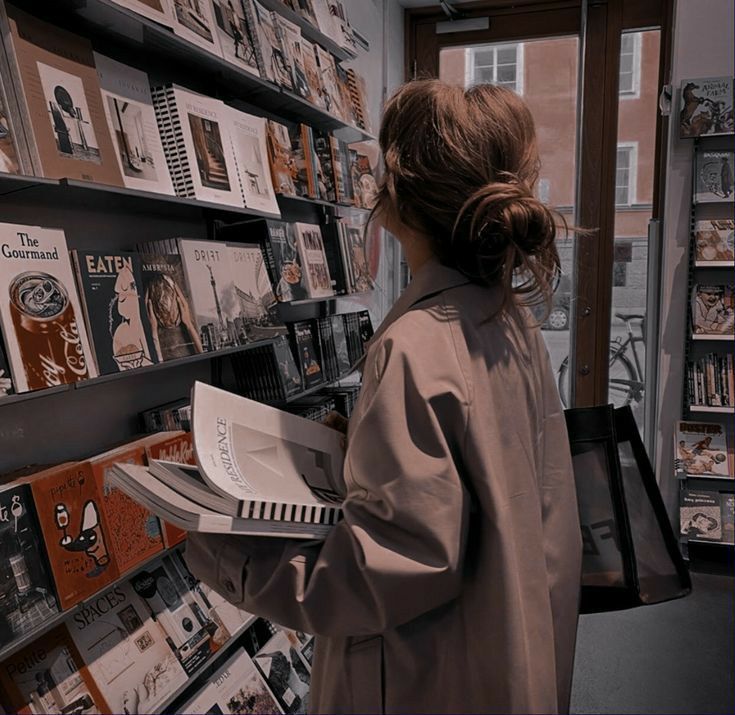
<point x="626" y="384"/>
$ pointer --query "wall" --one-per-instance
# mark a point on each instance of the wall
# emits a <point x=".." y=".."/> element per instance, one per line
<point x="702" y="47"/>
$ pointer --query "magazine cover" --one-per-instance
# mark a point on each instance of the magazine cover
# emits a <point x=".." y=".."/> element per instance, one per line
<point x="111" y="287"/>
<point x="236" y="687"/>
<point x="713" y="310"/>
<point x="135" y="533"/>
<point x="42" y="319"/>
<point x="172" y="604"/>
<point x="75" y="530"/>
<point x="355" y="239"/>
<point x="212" y="289"/>
<point x="313" y="75"/>
<point x="205" y="138"/>
<point x="290" y="282"/>
<point x="727" y="507"/>
<point x="313" y="260"/>
<point x="194" y="21"/>
<point x="700" y="515"/>
<point x="157" y="10"/>
<point x="325" y="166"/>
<point x="706" y="107"/>
<point x="340" y="344"/>
<point x="714" y="177"/>
<point x="250" y="148"/>
<point x="365" y="326"/>
<point x="280" y="157"/>
<point x="275" y="63"/>
<point x="714" y="242"/>
<point x="126" y="97"/>
<point x="285" y="672"/>
<point x="702" y="449"/>
<point x="26" y="589"/>
<point x="168" y="305"/>
<point x="6" y="380"/>
<point x="257" y="303"/>
<point x="234" y="36"/>
<point x="363" y="162"/>
<point x="10" y="162"/>
<point x="305" y="343"/>
<point x="287" y="368"/>
<point x="59" y="100"/>
<point x="291" y="41"/>
<point x="302" y="170"/>
<point x="125" y="651"/>
<point x="328" y="79"/>
<point x="49" y="677"/>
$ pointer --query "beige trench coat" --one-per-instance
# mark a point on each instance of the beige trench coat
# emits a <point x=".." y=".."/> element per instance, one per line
<point x="451" y="585"/>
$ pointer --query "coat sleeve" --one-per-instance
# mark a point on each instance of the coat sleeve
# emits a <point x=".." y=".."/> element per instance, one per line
<point x="398" y="552"/>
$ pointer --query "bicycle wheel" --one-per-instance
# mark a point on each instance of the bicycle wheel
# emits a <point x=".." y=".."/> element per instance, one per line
<point x="621" y="382"/>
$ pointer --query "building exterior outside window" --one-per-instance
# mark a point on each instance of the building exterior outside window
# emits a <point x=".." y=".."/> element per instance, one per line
<point x="495" y="64"/>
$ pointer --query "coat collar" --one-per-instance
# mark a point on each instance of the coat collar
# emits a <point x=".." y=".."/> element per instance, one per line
<point x="430" y="279"/>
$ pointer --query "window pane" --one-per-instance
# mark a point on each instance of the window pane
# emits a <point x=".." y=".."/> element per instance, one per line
<point x="507" y="55"/>
<point x="506" y="74"/>
<point x="483" y="58"/>
<point x="484" y="75"/>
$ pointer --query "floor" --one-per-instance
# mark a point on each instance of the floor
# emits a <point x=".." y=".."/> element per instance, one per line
<point x="675" y="657"/>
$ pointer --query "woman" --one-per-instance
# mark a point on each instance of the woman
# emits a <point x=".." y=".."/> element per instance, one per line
<point x="451" y="585"/>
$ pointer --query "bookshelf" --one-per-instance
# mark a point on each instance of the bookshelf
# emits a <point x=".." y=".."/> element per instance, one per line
<point x="695" y="489"/>
<point x="69" y="422"/>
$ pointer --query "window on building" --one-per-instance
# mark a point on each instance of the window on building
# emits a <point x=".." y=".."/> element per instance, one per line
<point x="630" y="64"/>
<point x="496" y="64"/>
<point x="625" y="175"/>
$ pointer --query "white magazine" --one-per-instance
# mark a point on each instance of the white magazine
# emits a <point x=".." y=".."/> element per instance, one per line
<point x="194" y="21"/>
<point x="233" y="33"/>
<point x="248" y="140"/>
<point x="126" y="97"/>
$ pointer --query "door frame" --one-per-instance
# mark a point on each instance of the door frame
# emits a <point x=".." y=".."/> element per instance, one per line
<point x="599" y="24"/>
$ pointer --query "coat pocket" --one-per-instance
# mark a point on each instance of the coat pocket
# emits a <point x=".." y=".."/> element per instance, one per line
<point x="366" y="675"/>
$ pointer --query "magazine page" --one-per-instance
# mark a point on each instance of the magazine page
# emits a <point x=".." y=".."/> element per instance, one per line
<point x="254" y="452"/>
<point x="128" y="105"/>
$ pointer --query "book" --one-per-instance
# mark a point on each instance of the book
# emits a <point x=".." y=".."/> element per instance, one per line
<point x="194" y="21"/>
<point x="344" y="364"/>
<point x="176" y="448"/>
<point x="701" y="449"/>
<point x="289" y="373"/>
<point x="27" y="596"/>
<point x="168" y="305"/>
<point x="305" y="8"/>
<point x="285" y="672"/>
<point x="6" y="380"/>
<point x="365" y="327"/>
<point x="727" y="509"/>
<point x="714" y="176"/>
<point x="135" y="533"/>
<point x="195" y="131"/>
<point x="328" y="78"/>
<point x="357" y="255"/>
<point x="302" y="161"/>
<point x="212" y="289"/>
<point x="111" y="289"/>
<point x="363" y="166"/>
<point x="128" y="106"/>
<point x="324" y="21"/>
<point x="711" y="381"/>
<point x="357" y="91"/>
<point x="281" y="159"/>
<point x="325" y="166"/>
<point x="73" y="520"/>
<point x="235" y="40"/>
<point x="306" y="349"/>
<point x="158" y="10"/>
<point x="257" y="303"/>
<point x="713" y="310"/>
<point x="236" y="687"/>
<point x="313" y="260"/>
<point x="259" y="471"/>
<point x="278" y="240"/>
<point x="290" y="38"/>
<point x="700" y="515"/>
<point x="229" y="619"/>
<point x="59" y="100"/>
<point x="166" y="590"/>
<point x="125" y="651"/>
<point x="272" y="59"/>
<point x="11" y="140"/>
<point x="49" y="676"/>
<point x="706" y="107"/>
<point x="714" y="242"/>
<point x="42" y="319"/>
<point x="249" y="145"/>
<point x="315" y="91"/>
<point x="341" y="25"/>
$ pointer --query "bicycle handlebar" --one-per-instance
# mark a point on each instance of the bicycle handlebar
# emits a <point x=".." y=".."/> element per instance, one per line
<point x="625" y="317"/>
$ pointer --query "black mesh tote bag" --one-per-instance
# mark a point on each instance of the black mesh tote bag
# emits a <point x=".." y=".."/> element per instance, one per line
<point x="631" y="555"/>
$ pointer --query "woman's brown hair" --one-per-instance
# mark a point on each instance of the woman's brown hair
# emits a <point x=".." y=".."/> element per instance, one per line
<point x="460" y="168"/>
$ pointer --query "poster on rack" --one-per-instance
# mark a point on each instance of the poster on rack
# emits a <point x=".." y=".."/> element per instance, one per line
<point x="714" y="182"/>
<point x="702" y="449"/>
<point x="714" y="242"/>
<point x="706" y="107"/>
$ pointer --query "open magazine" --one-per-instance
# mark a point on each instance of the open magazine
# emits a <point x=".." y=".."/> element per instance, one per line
<point x="258" y="471"/>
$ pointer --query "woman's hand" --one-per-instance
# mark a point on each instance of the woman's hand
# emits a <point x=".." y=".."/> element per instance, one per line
<point x="338" y="422"/>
